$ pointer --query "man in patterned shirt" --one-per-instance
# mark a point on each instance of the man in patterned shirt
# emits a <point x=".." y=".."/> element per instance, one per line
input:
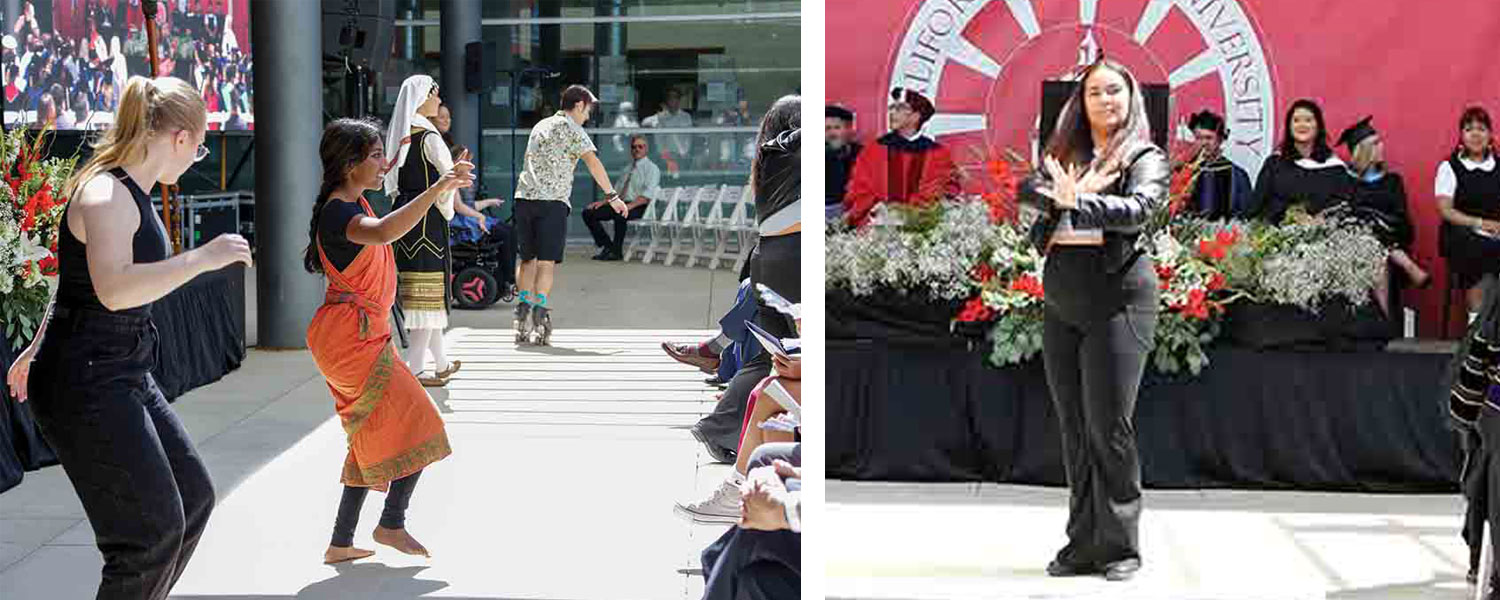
<point x="543" y="202"/>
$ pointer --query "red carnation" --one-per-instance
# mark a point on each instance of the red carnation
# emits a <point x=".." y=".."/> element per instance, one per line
<point x="1196" y="305"/>
<point x="1028" y="285"/>
<point x="48" y="265"/>
<point x="1217" y="282"/>
<point x="1228" y="237"/>
<point x="975" y="310"/>
<point x="1212" y="249"/>
<point x="984" y="272"/>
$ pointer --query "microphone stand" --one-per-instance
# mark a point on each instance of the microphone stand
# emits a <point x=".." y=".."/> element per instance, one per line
<point x="168" y="192"/>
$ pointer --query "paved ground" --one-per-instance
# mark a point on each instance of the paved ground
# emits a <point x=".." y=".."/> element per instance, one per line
<point x="566" y="463"/>
<point x="993" y="541"/>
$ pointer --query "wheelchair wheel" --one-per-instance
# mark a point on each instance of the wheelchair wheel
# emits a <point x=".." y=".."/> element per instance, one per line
<point x="475" y="288"/>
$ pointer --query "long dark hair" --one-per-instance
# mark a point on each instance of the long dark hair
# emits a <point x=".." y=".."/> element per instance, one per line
<point x="1321" y="150"/>
<point x="1472" y="115"/>
<point x="783" y="116"/>
<point x="346" y="142"/>
<point x="1073" y="137"/>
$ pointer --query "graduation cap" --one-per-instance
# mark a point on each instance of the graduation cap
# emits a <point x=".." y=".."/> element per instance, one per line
<point x="916" y="101"/>
<point x="838" y="112"/>
<point x="1207" y="119"/>
<point x="1357" y="133"/>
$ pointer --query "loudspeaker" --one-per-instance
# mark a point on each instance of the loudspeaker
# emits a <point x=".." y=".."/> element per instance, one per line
<point x="1158" y="106"/>
<point x="361" y="28"/>
<point x="479" y="66"/>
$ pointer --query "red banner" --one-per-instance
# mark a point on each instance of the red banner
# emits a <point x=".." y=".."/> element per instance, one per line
<point x="1414" y="66"/>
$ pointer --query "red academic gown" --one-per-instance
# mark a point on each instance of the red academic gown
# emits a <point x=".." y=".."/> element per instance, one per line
<point x="898" y="170"/>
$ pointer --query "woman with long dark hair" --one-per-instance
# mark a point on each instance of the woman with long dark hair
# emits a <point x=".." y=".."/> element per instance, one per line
<point x="1468" y="194"/>
<point x="776" y="262"/>
<point x="145" y="489"/>
<point x="394" y="429"/>
<point x="1304" y="172"/>
<point x="1102" y="180"/>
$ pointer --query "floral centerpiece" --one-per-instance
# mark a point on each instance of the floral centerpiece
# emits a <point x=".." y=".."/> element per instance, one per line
<point x="974" y="247"/>
<point x="31" y="207"/>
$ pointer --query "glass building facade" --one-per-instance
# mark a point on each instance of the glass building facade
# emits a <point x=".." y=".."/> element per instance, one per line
<point x="721" y="64"/>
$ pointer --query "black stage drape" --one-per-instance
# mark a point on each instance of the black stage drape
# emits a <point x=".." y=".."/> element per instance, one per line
<point x="909" y="402"/>
<point x="202" y="327"/>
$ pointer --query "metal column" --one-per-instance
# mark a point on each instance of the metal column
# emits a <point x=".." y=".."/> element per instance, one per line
<point x="288" y="43"/>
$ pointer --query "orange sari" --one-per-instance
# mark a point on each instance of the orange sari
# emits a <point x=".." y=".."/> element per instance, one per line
<point x="393" y="427"/>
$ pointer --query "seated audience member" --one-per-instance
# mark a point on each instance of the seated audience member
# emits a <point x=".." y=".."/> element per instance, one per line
<point x="1379" y="198"/>
<point x="1468" y="194"/>
<point x="1222" y="190"/>
<point x="761" y="557"/>
<point x="639" y="186"/>
<point x="1304" y="173"/>
<point x="904" y="166"/>
<point x="840" y="150"/>
<point x="723" y="504"/>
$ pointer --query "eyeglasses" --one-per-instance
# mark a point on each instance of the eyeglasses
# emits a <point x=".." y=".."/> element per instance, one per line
<point x="201" y="153"/>
<point x="638" y="146"/>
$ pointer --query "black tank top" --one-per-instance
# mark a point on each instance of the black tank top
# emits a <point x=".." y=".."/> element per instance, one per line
<point x="75" y="288"/>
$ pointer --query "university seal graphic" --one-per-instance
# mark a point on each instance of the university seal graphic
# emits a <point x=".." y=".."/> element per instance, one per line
<point x="983" y="62"/>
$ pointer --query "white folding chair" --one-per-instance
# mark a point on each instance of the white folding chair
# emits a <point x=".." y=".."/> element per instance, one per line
<point x="746" y="229"/>
<point x="661" y="228"/>
<point x="728" y="233"/>
<point x="711" y="221"/>
<point x="682" y="227"/>
<point x="638" y="228"/>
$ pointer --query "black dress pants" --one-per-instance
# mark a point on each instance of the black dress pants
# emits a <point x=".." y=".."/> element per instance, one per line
<point x="1098" y="334"/>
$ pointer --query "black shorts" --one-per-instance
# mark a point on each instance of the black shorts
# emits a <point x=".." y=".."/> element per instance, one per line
<point x="541" y="229"/>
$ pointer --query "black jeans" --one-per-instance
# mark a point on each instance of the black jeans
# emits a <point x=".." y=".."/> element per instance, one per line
<point x="596" y="218"/>
<point x="393" y="517"/>
<point x="1097" y="337"/>
<point x="145" y="489"/>
<point x="745" y="564"/>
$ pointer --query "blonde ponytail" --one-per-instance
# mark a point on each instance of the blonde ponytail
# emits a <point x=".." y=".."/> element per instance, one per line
<point x="147" y="107"/>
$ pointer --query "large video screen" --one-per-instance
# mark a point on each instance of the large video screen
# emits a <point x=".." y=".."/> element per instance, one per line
<point x="67" y="61"/>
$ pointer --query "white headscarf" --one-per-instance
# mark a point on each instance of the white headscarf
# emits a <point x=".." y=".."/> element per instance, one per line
<point x="413" y="94"/>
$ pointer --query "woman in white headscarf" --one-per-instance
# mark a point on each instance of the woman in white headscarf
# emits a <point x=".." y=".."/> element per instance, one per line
<point x="421" y="158"/>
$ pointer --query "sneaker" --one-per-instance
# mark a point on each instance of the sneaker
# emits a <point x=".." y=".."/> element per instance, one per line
<point x="541" y="321"/>
<point x="523" y="323"/>
<point x="722" y="506"/>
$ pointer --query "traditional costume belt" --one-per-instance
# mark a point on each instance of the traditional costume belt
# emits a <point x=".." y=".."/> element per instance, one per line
<point x="365" y="306"/>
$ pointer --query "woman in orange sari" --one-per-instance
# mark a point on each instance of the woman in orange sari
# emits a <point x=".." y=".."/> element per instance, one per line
<point x="394" y="430"/>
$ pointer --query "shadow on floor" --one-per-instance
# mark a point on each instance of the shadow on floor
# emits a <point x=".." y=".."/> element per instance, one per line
<point x="360" y="580"/>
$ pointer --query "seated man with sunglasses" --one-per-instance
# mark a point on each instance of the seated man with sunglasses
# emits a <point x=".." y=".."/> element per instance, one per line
<point x="640" y="185"/>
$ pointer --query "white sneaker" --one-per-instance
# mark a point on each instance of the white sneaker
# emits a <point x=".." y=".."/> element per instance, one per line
<point x="723" y="506"/>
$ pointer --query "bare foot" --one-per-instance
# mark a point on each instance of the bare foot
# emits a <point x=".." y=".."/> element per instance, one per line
<point x="400" y="540"/>
<point x="338" y="554"/>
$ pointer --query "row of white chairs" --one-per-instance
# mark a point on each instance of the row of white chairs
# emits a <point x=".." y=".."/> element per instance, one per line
<point x="712" y="224"/>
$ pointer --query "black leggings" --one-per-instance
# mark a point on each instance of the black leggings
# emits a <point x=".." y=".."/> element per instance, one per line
<point x="1097" y="337"/>
<point x="394" y="516"/>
